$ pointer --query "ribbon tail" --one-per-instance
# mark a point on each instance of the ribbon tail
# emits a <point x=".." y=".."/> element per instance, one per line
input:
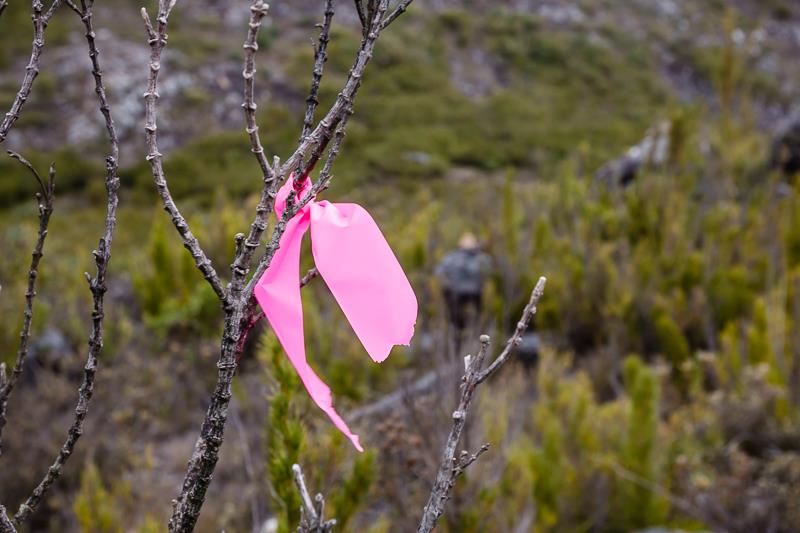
<point x="278" y="294"/>
<point x="353" y="257"/>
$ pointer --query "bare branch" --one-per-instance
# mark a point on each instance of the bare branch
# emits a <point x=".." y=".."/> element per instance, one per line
<point x="451" y="466"/>
<point x="40" y="20"/>
<point x="316" y="141"/>
<point x="240" y="308"/>
<point x="310" y="275"/>
<point x="320" y="56"/>
<point x="97" y="284"/>
<point x="399" y="10"/>
<point x="384" y="404"/>
<point x="361" y="16"/>
<point x="678" y="502"/>
<point x="244" y="254"/>
<point x="338" y="138"/>
<point x="257" y="13"/>
<point x="44" y="201"/>
<point x="157" y="38"/>
<point x="522" y="325"/>
<point x="312" y="518"/>
<point x="112" y="160"/>
<point x="239" y="318"/>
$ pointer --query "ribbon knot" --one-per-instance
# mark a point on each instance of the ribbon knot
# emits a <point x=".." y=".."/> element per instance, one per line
<point x="361" y="271"/>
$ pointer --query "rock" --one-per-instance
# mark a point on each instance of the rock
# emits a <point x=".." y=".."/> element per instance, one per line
<point x="653" y="150"/>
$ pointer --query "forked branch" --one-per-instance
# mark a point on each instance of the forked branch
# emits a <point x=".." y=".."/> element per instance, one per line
<point x="315" y="143"/>
<point x="451" y="465"/>
<point x="240" y="309"/>
<point x="248" y="245"/>
<point x="396" y="12"/>
<point x="320" y="56"/>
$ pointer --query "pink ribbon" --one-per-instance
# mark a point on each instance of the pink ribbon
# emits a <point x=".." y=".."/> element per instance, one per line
<point x="357" y="264"/>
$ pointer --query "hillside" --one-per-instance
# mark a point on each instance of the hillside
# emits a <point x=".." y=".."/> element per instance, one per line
<point x="666" y="392"/>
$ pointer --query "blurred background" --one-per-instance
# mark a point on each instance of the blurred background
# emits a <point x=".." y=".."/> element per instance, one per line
<point x="641" y="154"/>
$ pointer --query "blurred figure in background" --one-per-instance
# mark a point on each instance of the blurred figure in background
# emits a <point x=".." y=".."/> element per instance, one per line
<point x="463" y="273"/>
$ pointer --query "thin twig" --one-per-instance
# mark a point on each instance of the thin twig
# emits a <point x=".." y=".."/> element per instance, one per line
<point x="44" y="200"/>
<point x="320" y="57"/>
<point x="361" y="17"/>
<point x="451" y="466"/>
<point x="157" y="38"/>
<point x="399" y="10"/>
<point x="244" y="254"/>
<point x="316" y="141"/>
<point x="258" y="11"/>
<point x="312" y="518"/>
<point x="522" y="325"/>
<point x="310" y="275"/>
<point x="97" y="284"/>
<point x="421" y="386"/>
<point x="40" y="20"/>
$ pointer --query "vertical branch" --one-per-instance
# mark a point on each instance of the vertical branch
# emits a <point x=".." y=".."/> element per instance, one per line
<point x="44" y="199"/>
<point x="320" y="57"/>
<point x="40" y="20"/>
<point x="97" y="284"/>
<point x="85" y="15"/>
<point x="312" y="100"/>
<point x="451" y="466"/>
<point x="257" y="13"/>
<point x="338" y="138"/>
<point x="157" y="39"/>
<point x="244" y="254"/>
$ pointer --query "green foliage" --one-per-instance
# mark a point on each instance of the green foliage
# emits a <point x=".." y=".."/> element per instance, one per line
<point x="350" y="495"/>
<point x="285" y="433"/>
<point x="673" y="343"/>
<point x="172" y="293"/>
<point x="94" y="505"/>
<point x="584" y="445"/>
<point x="640" y="453"/>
